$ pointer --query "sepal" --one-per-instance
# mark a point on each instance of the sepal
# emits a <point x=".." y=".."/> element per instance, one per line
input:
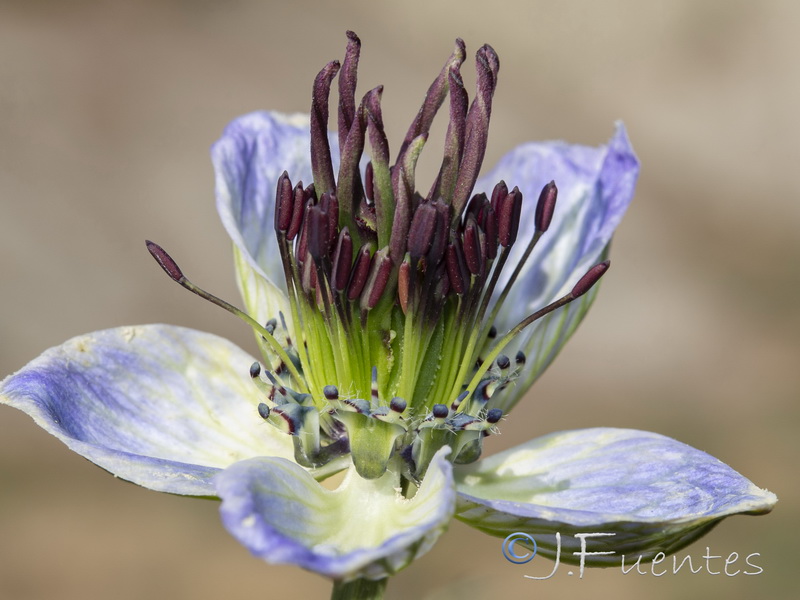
<point x="653" y="493"/>
<point x="363" y="529"/>
<point x="164" y="407"/>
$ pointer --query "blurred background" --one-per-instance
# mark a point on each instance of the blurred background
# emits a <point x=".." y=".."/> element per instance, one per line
<point x="107" y="111"/>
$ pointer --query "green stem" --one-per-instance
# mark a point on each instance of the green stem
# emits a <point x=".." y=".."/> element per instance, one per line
<point x="359" y="589"/>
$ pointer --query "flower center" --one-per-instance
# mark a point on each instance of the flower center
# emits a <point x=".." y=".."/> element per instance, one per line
<point x="390" y="349"/>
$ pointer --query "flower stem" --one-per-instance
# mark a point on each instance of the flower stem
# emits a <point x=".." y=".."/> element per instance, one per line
<point x="359" y="589"/>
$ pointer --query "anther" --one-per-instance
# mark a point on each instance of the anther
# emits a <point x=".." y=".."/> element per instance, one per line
<point x="331" y="392"/>
<point x="494" y="415"/>
<point x="380" y="270"/>
<point x="255" y="370"/>
<point x="441" y="233"/>
<point x="503" y="362"/>
<point x="270" y="326"/>
<point x="472" y="246"/>
<point x="440" y="411"/>
<point x="318" y="231"/>
<point x="397" y="404"/>
<point x="403" y="284"/>
<point x="508" y="215"/>
<point x="263" y="411"/>
<point x="488" y="221"/>
<point x="360" y="272"/>
<point x="298" y="210"/>
<point x="456" y="267"/>
<point x="499" y="193"/>
<point x="520" y="358"/>
<point x="420" y="234"/>
<point x="284" y="203"/>
<point x="170" y="267"/>
<point x="342" y="260"/>
<point x="591" y="277"/>
<point x="545" y="206"/>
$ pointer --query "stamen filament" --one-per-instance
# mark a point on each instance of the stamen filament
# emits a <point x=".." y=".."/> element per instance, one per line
<point x="175" y="273"/>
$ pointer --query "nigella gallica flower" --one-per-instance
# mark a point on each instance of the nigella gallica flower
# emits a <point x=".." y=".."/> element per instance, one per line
<point x="397" y="329"/>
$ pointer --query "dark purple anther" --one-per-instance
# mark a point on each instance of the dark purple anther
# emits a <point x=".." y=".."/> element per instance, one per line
<point x="263" y="411"/>
<point x="398" y="405"/>
<point x="170" y="267"/>
<point x="330" y="205"/>
<point x="360" y="273"/>
<point x="472" y="246"/>
<point x="456" y="267"/>
<point x="298" y="210"/>
<point x="255" y="370"/>
<point x="587" y="281"/>
<point x="331" y="392"/>
<point x="441" y="232"/>
<point x="442" y="282"/>
<point x="508" y="218"/>
<point x="284" y="203"/>
<point x="520" y="358"/>
<point x="302" y="243"/>
<point x="379" y="272"/>
<point x="317" y="230"/>
<point x="476" y="204"/>
<point x="308" y="276"/>
<point x="488" y="221"/>
<point x="321" y="165"/>
<point x="499" y="192"/>
<point x="342" y="261"/>
<point x="545" y="206"/>
<point x="420" y="234"/>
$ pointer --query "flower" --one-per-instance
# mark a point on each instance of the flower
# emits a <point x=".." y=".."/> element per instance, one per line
<point x="385" y="321"/>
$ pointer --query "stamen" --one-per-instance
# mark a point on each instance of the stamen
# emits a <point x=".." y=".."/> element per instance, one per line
<point x="360" y="272"/>
<point x="171" y="268"/>
<point x="585" y="283"/>
<point x="546" y="206"/>
<point x="397" y="404"/>
<point x="380" y="270"/>
<point x="494" y="415"/>
<point x="592" y="277"/>
<point x="284" y="199"/>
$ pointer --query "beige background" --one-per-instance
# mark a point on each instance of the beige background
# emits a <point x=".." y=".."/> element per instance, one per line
<point x="107" y="111"/>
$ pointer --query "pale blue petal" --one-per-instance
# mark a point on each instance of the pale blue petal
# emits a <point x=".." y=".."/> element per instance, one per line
<point x="164" y="407"/>
<point x="654" y="493"/>
<point x="595" y="186"/>
<point x="249" y="157"/>
<point x="363" y="529"/>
